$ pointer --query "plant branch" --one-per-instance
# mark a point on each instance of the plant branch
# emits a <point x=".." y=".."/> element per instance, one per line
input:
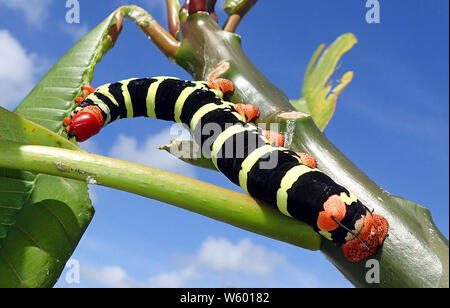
<point x="195" y="6"/>
<point x="232" y="23"/>
<point x="173" y="9"/>
<point x="159" y="36"/>
<point x="236" y="10"/>
<point x="221" y="204"/>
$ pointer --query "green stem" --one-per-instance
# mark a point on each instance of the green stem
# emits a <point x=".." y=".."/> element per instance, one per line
<point x="173" y="7"/>
<point x="159" y="36"/>
<point x="221" y="204"/>
<point x="236" y="10"/>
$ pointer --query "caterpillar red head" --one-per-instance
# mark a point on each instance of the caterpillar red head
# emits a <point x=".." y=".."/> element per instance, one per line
<point x="84" y="123"/>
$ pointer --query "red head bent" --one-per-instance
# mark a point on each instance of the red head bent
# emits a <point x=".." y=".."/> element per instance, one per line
<point x="85" y="123"/>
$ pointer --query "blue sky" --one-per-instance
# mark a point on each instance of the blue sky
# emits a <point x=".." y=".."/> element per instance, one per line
<point x="392" y="122"/>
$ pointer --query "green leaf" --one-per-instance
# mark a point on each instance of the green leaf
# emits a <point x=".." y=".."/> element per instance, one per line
<point x="43" y="217"/>
<point x="318" y="98"/>
<point x="18" y="129"/>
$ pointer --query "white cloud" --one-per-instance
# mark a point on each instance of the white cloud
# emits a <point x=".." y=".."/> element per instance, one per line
<point x="117" y="277"/>
<point x="177" y="279"/>
<point x="34" y="11"/>
<point x="127" y="148"/>
<point x="221" y="256"/>
<point x="216" y="259"/>
<point x="109" y="276"/>
<point x="18" y="70"/>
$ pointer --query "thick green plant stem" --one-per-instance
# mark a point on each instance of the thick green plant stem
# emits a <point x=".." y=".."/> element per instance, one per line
<point x="221" y="204"/>
<point x="415" y="254"/>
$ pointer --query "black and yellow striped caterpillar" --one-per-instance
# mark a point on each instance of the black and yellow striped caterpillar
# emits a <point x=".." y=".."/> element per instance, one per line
<point x="218" y="126"/>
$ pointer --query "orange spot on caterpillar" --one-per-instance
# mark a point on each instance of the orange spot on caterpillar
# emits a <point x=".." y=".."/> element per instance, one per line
<point x="334" y="206"/>
<point x="308" y="159"/>
<point x="214" y="82"/>
<point x="276" y="139"/>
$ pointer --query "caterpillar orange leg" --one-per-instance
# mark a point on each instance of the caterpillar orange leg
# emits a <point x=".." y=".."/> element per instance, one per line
<point x="224" y="85"/>
<point x="247" y="111"/>
<point x="308" y="159"/>
<point x="86" y="91"/>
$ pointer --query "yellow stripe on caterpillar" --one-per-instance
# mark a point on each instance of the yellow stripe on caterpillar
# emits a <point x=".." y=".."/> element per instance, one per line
<point x="102" y="106"/>
<point x="182" y="99"/>
<point x="151" y="95"/>
<point x="326" y="235"/>
<point x="104" y="89"/>
<point x="286" y="183"/>
<point x="250" y="161"/>
<point x="227" y="133"/>
<point x="348" y="199"/>
<point x="127" y="97"/>
<point x="208" y="108"/>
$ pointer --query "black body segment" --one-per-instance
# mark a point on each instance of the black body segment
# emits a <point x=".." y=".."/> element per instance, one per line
<point x="138" y="89"/>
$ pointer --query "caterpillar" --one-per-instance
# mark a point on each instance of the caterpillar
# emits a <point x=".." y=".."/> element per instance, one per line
<point x="239" y="150"/>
